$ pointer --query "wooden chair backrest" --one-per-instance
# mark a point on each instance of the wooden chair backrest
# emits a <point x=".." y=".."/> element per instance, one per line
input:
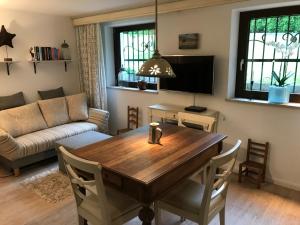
<point x="217" y="184"/>
<point x="257" y="152"/>
<point x="80" y="185"/>
<point x="206" y="122"/>
<point x="132" y="117"/>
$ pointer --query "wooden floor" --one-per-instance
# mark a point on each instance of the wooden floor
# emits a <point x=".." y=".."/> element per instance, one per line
<point x="246" y="205"/>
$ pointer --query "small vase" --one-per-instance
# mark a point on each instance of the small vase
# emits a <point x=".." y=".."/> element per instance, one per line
<point x="142" y="85"/>
<point x="279" y="95"/>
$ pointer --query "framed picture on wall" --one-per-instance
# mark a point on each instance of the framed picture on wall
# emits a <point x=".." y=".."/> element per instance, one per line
<point x="189" y="41"/>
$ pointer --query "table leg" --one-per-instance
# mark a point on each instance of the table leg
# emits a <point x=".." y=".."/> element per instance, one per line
<point x="146" y="215"/>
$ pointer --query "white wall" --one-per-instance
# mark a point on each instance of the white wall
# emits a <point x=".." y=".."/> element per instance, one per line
<point x="41" y="30"/>
<point x="279" y="126"/>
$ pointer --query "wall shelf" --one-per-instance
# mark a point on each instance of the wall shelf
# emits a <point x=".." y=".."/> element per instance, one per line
<point x="35" y="62"/>
<point x="8" y="64"/>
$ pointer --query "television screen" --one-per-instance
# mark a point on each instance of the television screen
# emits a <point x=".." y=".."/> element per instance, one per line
<point x="193" y="74"/>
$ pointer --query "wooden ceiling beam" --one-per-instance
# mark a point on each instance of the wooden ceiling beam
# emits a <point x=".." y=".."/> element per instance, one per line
<point x="149" y="11"/>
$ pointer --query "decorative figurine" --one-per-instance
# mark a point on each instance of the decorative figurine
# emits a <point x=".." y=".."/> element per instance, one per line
<point x="65" y="51"/>
<point x="6" y="40"/>
<point x="32" y="53"/>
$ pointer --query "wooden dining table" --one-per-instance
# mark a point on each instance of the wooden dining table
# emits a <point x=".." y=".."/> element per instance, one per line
<point x="146" y="171"/>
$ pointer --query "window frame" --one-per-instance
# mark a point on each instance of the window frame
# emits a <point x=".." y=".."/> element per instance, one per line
<point x="243" y="44"/>
<point x="117" y="51"/>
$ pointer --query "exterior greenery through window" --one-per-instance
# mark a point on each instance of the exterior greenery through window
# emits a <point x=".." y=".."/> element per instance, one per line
<point x="133" y="45"/>
<point x="268" y="41"/>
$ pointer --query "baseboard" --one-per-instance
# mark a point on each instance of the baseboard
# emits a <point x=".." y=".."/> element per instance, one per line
<point x="283" y="183"/>
<point x="279" y="182"/>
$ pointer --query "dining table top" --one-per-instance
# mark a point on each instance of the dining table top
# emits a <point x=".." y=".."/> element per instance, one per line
<point x="130" y="155"/>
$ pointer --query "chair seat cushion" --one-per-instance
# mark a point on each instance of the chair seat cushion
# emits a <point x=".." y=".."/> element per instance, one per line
<point x="43" y="140"/>
<point x="188" y="197"/>
<point x="118" y="205"/>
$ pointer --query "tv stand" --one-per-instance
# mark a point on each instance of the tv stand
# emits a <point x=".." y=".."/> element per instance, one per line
<point x="169" y="112"/>
<point x="194" y="108"/>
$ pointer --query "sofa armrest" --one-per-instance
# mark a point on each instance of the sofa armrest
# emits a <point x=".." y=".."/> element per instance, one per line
<point x="8" y="145"/>
<point x="100" y="118"/>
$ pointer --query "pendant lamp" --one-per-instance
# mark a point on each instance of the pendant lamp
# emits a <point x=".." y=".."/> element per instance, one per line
<point x="156" y="66"/>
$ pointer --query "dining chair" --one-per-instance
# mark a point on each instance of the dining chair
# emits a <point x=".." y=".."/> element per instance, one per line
<point x="201" y="202"/>
<point x="254" y="168"/>
<point x="95" y="203"/>
<point x="132" y="120"/>
<point x="196" y="121"/>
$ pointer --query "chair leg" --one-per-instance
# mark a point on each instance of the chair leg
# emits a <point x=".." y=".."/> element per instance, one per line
<point x="182" y="219"/>
<point x="82" y="221"/>
<point x="258" y="184"/>
<point x="240" y="173"/>
<point x="222" y="216"/>
<point x="157" y="214"/>
<point x="259" y="180"/>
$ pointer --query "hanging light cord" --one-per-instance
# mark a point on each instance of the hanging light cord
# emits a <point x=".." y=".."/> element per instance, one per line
<point x="156" y="28"/>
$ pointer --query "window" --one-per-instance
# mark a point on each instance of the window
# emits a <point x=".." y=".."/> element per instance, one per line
<point x="133" y="45"/>
<point x="268" y="41"/>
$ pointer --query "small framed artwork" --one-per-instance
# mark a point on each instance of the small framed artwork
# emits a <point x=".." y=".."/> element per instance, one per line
<point x="189" y="41"/>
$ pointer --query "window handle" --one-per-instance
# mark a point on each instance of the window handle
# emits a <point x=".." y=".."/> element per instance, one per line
<point x="242" y="64"/>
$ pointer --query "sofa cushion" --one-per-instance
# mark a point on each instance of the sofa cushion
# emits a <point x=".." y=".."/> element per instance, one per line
<point x="54" y="93"/>
<point x="22" y="120"/>
<point x="11" y="101"/>
<point x="77" y="106"/>
<point x="55" y="111"/>
<point x="43" y="140"/>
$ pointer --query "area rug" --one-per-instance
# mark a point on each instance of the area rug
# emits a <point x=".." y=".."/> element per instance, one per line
<point x="52" y="186"/>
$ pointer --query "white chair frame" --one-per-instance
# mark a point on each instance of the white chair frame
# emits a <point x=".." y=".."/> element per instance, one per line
<point x="215" y="190"/>
<point x="206" y="122"/>
<point x="83" y="188"/>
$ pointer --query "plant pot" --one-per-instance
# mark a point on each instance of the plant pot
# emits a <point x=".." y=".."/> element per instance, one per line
<point x="142" y="85"/>
<point x="279" y="95"/>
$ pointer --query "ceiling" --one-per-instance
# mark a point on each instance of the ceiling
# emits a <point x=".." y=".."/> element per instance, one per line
<point x="73" y="8"/>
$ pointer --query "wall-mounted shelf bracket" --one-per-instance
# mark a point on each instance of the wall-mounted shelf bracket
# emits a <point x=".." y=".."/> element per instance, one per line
<point x="35" y="62"/>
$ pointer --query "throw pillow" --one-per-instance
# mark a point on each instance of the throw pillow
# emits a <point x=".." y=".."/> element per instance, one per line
<point x="22" y="120"/>
<point x="54" y="93"/>
<point x="55" y="111"/>
<point x="11" y="101"/>
<point x="77" y="105"/>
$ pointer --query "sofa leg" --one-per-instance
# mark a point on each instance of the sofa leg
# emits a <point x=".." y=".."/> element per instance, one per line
<point x="17" y="172"/>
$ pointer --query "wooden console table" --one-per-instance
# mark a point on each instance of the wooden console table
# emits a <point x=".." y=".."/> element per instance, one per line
<point x="170" y="112"/>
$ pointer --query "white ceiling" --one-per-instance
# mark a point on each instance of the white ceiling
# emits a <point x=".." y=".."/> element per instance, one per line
<point x="73" y="8"/>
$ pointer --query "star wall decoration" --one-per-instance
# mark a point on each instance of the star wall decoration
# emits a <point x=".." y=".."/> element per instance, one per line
<point x="6" y="38"/>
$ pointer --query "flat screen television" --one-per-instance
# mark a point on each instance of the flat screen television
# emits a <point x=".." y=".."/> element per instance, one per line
<point x="193" y="74"/>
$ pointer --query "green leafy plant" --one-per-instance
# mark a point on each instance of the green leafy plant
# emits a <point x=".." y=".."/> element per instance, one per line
<point x="281" y="81"/>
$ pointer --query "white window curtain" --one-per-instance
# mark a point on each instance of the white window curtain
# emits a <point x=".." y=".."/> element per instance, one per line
<point x="91" y="64"/>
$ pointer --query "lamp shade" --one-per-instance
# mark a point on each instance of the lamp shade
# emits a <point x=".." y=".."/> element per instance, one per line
<point x="156" y="67"/>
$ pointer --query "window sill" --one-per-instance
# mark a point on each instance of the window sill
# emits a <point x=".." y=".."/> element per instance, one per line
<point x="133" y="89"/>
<point x="262" y="102"/>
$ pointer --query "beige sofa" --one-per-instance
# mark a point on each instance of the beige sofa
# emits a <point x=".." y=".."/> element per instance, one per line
<point x="28" y="133"/>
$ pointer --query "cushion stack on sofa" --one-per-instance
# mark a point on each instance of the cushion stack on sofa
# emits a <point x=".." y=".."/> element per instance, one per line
<point x="34" y="128"/>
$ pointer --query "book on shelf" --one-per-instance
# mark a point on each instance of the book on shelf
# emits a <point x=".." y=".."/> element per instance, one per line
<point x="47" y="53"/>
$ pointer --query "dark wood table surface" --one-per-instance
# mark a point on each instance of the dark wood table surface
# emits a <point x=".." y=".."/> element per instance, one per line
<point x="147" y="171"/>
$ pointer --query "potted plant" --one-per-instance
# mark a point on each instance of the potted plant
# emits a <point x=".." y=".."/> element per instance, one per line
<point x="279" y="92"/>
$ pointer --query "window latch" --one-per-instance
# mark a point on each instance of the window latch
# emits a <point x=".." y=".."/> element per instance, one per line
<point x="242" y="64"/>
